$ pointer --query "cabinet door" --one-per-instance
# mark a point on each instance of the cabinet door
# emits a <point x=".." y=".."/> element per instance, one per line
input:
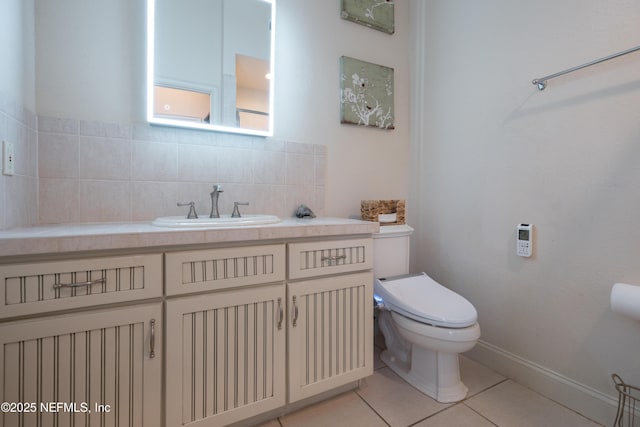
<point x="330" y="333"/>
<point x="225" y="356"/>
<point x="84" y="369"/>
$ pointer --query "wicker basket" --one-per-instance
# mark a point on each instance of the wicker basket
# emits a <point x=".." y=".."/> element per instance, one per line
<point x="370" y="210"/>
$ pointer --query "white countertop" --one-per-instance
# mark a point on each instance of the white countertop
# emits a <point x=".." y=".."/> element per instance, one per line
<point x="53" y="239"/>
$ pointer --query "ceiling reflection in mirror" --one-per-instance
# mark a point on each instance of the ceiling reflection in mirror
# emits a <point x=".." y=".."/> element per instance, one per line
<point x="210" y="64"/>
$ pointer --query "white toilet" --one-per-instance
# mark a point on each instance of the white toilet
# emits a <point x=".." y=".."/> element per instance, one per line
<point x="425" y="325"/>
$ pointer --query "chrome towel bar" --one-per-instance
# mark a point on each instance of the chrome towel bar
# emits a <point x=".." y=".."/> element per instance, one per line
<point x="542" y="81"/>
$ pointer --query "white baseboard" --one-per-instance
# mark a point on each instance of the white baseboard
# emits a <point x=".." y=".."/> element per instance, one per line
<point x="583" y="399"/>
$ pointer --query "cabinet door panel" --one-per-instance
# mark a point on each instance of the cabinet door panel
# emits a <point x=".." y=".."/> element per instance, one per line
<point x="83" y="360"/>
<point x="226" y="356"/>
<point x="331" y="342"/>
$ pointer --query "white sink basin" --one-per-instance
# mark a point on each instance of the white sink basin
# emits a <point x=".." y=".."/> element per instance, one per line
<point x="223" y="221"/>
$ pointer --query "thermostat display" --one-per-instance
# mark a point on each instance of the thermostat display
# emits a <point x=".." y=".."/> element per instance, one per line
<point x="524" y="245"/>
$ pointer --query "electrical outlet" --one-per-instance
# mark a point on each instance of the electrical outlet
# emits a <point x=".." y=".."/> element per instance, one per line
<point x="8" y="158"/>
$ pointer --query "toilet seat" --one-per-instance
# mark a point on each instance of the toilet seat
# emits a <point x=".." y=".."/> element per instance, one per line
<point x="419" y="297"/>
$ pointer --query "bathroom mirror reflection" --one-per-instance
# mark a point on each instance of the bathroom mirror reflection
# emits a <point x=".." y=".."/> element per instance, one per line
<point x="210" y="64"/>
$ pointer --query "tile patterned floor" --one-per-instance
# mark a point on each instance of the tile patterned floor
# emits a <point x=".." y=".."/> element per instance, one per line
<point x="384" y="399"/>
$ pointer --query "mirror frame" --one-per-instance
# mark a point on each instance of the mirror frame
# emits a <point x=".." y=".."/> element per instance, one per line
<point x="195" y="125"/>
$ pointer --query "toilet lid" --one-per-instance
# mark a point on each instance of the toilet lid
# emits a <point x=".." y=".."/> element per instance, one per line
<point x="421" y="298"/>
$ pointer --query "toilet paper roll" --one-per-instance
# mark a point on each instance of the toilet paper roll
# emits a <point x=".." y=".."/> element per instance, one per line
<point x="625" y="299"/>
<point x="384" y="218"/>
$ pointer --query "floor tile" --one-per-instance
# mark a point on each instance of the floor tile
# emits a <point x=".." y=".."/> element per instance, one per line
<point x="458" y="415"/>
<point x="476" y="376"/>
<point x="346" y="410"/>
<point x="377" y="362"/>
<point x="395" y="400"/>
<point x="509" y="404"/>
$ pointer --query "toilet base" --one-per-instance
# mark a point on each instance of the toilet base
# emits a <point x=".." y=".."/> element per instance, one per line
<point x="435" y="374"/>
<point x="432" y="369"/>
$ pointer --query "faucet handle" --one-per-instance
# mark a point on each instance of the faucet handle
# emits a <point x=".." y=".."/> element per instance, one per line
<point x="192" y="209"/>
<point x="236" y="211"/>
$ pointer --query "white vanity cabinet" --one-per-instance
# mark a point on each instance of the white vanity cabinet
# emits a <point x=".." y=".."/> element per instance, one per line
<point x="330" y="336"/>
<point x="226" y="356"/>
<point x="330" y="333"/>
<point x="101" y="366"/>
<point x="254" y="336"/>
<point x="187" y="328"/>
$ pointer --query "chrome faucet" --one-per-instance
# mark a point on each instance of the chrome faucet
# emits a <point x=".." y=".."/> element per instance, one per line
<point x="236" y="211"/>
<point x="192" y="209"/>
<point x="217" y="189"/>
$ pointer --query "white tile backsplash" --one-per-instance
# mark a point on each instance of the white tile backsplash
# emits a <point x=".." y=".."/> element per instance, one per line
<point x="22" y="200"/>
<point x="56" y="125"/>
<point x="19" y="192"/>
<point x="104" y="158"/>
<point x="105" y="201"/>
<point x="58" y="155"/>
<point x="58" y="200"/>
<point x="154" y="161"/>
<point x="300" y="169"/>
<point x="269" y="167"/>
<point x="153" y="199"/>
<point x="107" y="130"/>
<point x="71" y="171"/>
<point x="197" y="163"/>
<point x="234" y="165"/>
<point x="91" y="171"/>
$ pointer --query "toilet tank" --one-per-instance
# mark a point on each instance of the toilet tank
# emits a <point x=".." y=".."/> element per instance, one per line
<point x="391" y="250"/>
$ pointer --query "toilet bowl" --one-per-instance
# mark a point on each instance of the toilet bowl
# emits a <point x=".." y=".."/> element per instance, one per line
<point x="425" y="325"/>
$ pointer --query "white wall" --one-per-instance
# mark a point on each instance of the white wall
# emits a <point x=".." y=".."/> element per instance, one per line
<point x="494" y="151"/>
<point x="91" y="67"/>
<point x="18" y="193"/>
<point x="364" y="163"/>
<point x="90" y="59"/>
<point x="189" y="56"/>
<point x="16" y="61"/>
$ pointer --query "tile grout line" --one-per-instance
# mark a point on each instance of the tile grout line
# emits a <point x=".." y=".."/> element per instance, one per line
<point x="486" y="389"/>
<point x="476" y="412"/>
<point x="463" y="403"/>
<point x="372" y="408"/>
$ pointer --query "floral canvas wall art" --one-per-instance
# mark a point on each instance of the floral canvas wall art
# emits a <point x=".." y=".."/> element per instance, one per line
<point x="366" y="94"/>
<point x="377" y="14"/>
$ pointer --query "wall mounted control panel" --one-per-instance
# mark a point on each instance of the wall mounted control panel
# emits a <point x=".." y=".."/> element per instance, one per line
<point x="524" y="244"/>
<point x="8" y="158"/>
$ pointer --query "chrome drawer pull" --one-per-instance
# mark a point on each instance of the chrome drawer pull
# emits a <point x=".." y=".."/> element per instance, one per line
<point x="295" y="312"/>
<point x="280" y="313"/>
<point x="58" y="285"/>
<point x="152" y="340"/>
<point x="334" y="258"/>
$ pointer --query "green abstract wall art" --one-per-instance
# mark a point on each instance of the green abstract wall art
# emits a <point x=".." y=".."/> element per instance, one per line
<point x="366" y="94"/>
<point x="377" y="14"/>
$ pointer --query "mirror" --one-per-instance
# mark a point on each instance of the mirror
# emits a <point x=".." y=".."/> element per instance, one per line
<point x="210" y="64"/>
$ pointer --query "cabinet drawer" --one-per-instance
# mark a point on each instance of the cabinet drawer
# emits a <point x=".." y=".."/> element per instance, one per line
<point x="214" y="269"/>
<point x="330" y="257"/>
<point x="61" y="285"/>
